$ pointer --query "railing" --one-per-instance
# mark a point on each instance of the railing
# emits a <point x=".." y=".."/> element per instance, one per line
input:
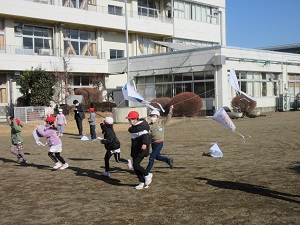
<point x="91" y="5"/>
<point x="49" y="2"/>
<point x="90" y="54"/>
<point x="21" y="50"/>
<point x="30" y="113"/>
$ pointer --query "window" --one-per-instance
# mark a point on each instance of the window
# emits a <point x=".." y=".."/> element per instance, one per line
<point x="1" y="36"/>
<point x="193" y="11"/>
<point x="257" y="84"/>
<point x="3" y="98"/>
<point x="168" y="85"/>
<point x="114" y="53"/>
<point x="79" y="42"/>
<point x="199" y="88"/>
<point x="294" y="84"/>
<point x="147" y="46"/>
<point x="33" y="39"/>
<point x="193" y="42"/>
<point x="77" y="4"/>
<point x="163" y="90"/>
<point x="115" y="10"/>
<point x="81" y="81"/>
<point x="148" y="8"/>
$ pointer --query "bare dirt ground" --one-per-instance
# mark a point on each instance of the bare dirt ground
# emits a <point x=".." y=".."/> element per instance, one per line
<point x="254" y="183"/>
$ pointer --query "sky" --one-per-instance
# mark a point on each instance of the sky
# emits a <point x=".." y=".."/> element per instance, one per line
<point x="262" y="23"/>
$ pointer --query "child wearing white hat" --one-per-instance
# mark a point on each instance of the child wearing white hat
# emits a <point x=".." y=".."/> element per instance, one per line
<point x="157" y="138"/>
<point x="111" y="143"/>
<point x="61" y="121"/>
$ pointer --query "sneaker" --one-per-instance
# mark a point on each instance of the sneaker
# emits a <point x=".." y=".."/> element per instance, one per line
<point x="64" y="166"/>
<point x="171" y="163"/>
<point x="106" y="174"/>
<point x="61" y="135"/>
<point x="129" y="164"/>
<point x="57" y="165"/>
<point x="148" y="179"/>
<point x="141" y="186"/>
<point x="24" y="162"/>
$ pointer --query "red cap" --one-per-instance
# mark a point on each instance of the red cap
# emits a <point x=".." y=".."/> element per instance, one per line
<point x="50" y="119"/>
<point x="92" y="110"/>
<point x="17" y="121"/>
<point x="132" y="115"/>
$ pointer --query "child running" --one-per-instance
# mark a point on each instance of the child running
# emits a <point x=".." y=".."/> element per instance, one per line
<point x="140" y="142"/>
<point x="61" y="122"/>
<point x="157" y="138"/>
<point x="111" y="143"/>
<point x="54" y="142"/>
<point x="16" y="139"/>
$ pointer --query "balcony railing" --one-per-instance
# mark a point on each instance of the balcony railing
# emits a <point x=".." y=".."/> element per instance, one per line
<point x="21" y="50"/>
<point x="91" y="5"/>
<point x="49" y="2"/>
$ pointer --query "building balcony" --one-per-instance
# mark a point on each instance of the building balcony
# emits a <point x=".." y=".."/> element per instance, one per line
<point x="92" y="6"/>
<point x="22" y="50"/>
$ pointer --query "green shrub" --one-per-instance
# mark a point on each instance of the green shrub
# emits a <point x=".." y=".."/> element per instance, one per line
<point x="186" y="104"/>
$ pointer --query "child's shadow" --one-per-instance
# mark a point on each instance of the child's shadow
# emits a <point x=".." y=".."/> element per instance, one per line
<point x="38" y="166"/>
<point x="97" y="175"/>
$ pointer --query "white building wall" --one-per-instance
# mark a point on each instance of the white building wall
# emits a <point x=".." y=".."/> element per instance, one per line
<point x="193" y="30"/>
<point x="203" y="59"/>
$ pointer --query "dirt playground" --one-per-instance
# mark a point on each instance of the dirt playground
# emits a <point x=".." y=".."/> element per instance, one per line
<point x="257" y="182"/>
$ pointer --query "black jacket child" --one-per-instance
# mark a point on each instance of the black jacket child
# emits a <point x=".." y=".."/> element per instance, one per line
<point x="139" y="136"/>
<point x="110" y="141"/>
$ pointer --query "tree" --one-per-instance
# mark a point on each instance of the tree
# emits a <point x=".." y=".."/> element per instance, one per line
<point x="98" y="80"/>
<point x="26" y="83"/>
<point x="36" y="87"/>
<point x="61" y="80"/>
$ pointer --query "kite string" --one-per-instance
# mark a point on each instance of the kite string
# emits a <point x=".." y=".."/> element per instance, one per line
<point x="243" y="136"/>
<point x="119" y="104"/>
<point x="193" y="97"/>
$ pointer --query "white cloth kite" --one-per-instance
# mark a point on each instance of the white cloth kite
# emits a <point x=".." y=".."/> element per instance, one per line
<point x="215" y="151"/>
<point x="37" y="137"/>
<point x="222" y="117"/>
<point x="234" y="83"/>
<point x="132" y="95"/>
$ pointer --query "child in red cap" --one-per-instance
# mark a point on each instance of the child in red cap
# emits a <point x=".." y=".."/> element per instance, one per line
<point x="16" y="139"/>
<point x="54" y="142"/>
<point x="92" y="121"/>
<point x="140" y="142"/>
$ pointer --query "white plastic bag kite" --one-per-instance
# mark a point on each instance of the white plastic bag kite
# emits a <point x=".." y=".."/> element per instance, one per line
<point x="234" y="83"/>
<point x="132" y="95"/>
<point x="84" y="138"/>
<point x="222" y="117"/>
<point x="37" y="137"/>
<point x="215" y="151"/>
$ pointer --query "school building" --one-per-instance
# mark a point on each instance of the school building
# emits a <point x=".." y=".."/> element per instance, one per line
<point x="172" y="45"/>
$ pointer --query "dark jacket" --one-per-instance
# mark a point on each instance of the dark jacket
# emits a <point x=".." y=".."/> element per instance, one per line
<point x="79" y="112"/>
<point x="110" y="141"/>
<point x="139" y="136"/>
